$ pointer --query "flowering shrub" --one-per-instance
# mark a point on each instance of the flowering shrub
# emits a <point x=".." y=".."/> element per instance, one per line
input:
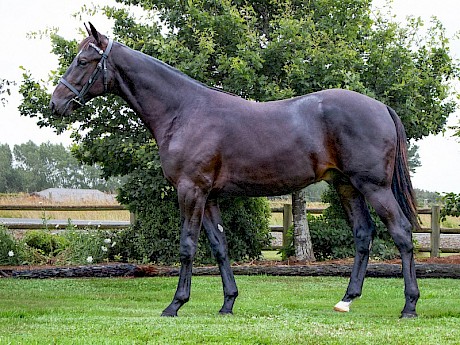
<point x="88" y="246"/>
<point x="10" y="250"/>
<point x="72" y="247"/>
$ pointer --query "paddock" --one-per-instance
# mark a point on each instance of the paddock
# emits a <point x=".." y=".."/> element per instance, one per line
<point x="271" y="310"/>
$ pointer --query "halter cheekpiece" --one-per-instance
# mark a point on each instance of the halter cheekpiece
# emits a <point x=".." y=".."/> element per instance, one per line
<point x="101" y="66"/>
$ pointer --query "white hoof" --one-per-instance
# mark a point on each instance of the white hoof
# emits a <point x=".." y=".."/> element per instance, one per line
<point x="343" y="307"/>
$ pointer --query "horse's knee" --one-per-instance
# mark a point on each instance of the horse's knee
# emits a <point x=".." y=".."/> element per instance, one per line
<point x="187" y="251"/>
<point x="363" y="240"/>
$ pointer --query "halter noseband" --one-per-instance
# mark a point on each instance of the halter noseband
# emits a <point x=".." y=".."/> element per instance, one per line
<point x="101" y="66"/>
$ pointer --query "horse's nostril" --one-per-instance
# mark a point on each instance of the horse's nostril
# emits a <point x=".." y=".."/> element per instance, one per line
<point x="52" y="107"/>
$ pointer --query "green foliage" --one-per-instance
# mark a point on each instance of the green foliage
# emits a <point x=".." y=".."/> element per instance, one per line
<point x="414" y="161"/>
<point x="10" y="250"/>
<point x="5" y="88"/>
<point x="451" y="205"/>
<point x="246" y="222"/>
<point x="47" y="243"/>
<point x="332" y="236"/>
<point x="89" y="246"/>
<point x="70" y="247"/>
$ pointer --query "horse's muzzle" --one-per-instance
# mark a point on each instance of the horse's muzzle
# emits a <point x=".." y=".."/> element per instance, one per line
<point x="52" y="107"/>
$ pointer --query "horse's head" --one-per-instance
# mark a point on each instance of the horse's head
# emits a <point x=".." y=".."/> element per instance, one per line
<point x="88" y="76"/>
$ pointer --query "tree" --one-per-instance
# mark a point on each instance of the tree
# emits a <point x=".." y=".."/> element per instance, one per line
<point x="37" y="167"/>
<point x="303" y="246"/>
<point x="262" y="50"/>
<point x="8" y="179"/>
<point x="413" y="157"/>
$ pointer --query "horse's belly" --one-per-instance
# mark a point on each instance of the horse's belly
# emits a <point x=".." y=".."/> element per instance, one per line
<point x="267" y="185"/>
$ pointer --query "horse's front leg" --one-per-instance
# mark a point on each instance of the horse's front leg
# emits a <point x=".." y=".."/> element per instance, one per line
<point x="191" y="203"/>
<point x="212" y="223"/>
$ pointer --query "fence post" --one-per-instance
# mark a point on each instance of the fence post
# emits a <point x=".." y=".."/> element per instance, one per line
<point x="132" y="218"/>
<point x="435" y="230"/>
<point x="287" y="222"/>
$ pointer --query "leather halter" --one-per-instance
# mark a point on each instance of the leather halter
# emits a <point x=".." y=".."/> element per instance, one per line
<point x="101" y="66"/>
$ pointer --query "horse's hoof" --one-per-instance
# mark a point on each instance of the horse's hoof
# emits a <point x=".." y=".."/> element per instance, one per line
<point x="225" y="312"/>
<point x="343" y="307"/>
<point x="408" y="315"/>
<point x="166" y="313"/>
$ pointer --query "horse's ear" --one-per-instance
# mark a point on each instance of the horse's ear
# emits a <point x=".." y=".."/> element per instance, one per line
<point x="87" y="29"/>
<point x="95" y="34"/>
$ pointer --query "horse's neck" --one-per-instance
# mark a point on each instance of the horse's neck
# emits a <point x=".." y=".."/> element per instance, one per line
<point x="153" y="90"/>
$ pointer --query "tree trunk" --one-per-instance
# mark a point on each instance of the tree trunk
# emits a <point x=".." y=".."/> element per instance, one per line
<point x="302" y="239"/>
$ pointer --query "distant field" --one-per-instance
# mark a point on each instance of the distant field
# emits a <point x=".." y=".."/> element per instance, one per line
<point x="26" y="199"/>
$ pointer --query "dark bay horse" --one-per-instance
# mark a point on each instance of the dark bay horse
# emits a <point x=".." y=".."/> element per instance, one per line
<point x="212" y="143"/>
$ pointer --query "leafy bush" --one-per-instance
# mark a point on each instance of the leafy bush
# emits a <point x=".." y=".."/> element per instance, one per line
<point x="88" y="246"/>
<point x="156" y="234"/>
<point x="247" y="225"/>
<point x="47" y="243"/>
<point x="451" y="205"/>
<point x="10" y="251"/>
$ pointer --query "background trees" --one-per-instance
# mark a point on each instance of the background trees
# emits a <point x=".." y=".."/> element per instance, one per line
<point x="261" y="50"/>
<point x="31" y="168"/>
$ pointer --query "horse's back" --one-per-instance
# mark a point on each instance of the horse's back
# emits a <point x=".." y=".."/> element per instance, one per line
<point x="280" y="146"/>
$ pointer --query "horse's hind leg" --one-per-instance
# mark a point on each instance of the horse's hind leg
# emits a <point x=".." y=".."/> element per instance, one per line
<point x="388" y="209"/>
<point x="363" y="231"/>
<point x="212" y="224"/>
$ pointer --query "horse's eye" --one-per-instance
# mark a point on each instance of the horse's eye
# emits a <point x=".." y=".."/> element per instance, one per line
<point x="82" y="62"/>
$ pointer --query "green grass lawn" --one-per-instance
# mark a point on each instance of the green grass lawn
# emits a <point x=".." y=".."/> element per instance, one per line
<point x="270" y="310"/>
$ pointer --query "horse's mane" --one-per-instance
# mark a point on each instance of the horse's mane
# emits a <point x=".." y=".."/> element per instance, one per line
<point x="90" y="39"/>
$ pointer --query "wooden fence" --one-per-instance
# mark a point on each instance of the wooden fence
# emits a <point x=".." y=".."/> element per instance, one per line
<point x="434" y="230"/>
<point x="27" y="224"/>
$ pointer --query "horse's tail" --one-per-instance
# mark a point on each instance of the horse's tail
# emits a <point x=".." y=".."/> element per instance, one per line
<point x="401" y="184"/>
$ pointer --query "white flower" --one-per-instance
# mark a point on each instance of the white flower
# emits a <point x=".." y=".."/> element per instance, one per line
<point x="89" y="259"/>
<point x="107" y="241"/>
<point x="10" y="253"/>
<point x="104" y="248"/>
<point x="113" y="244"/>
